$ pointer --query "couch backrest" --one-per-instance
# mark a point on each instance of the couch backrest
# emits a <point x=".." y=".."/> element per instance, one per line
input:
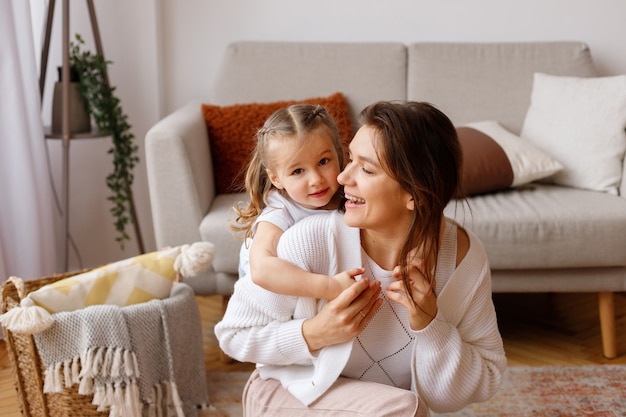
<point x="472" y="82"/>
<point x="262" y="71"/>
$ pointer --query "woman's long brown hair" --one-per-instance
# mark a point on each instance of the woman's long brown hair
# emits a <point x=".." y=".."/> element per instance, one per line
<point x="419" y="148"/>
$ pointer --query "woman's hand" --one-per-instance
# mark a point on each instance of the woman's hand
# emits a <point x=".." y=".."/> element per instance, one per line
<point x="344" y="317"/>
<point x="422" y="302"/>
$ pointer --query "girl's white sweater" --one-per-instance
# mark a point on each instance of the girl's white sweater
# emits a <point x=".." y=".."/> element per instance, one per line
<point x="458" y="359"/>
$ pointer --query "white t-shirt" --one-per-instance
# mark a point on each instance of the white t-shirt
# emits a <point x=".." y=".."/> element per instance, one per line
<point x="282" y="212"/>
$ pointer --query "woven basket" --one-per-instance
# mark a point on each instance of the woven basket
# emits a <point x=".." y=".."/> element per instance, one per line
<point x="28" y="369"/>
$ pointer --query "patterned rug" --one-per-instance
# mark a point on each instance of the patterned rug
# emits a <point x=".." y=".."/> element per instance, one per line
<point x="554" y="391"/>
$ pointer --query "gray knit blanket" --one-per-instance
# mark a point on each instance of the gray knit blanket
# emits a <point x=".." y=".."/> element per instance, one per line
<point x="143" y="360"/>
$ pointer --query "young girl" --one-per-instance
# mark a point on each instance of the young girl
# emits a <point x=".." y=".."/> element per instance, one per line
<point x="292" y="174"/>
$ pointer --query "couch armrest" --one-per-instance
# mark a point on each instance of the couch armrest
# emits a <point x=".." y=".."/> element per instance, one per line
<point x="180" y="175"/>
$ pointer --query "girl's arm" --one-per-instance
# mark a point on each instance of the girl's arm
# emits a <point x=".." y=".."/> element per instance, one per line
<point x="270" y="272"/>
<point x="265" y="327"/>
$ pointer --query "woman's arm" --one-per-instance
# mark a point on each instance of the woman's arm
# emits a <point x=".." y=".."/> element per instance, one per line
<point x="458" y="355"/>
<point x="344" y="317"/>
<point x="277" y="275"/>
<point x="456" y="365"/>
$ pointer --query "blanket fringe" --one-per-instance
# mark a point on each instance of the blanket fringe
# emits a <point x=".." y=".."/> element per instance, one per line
<point x="177" y="402"/>
<point x="120" y="398"/>
<point x="165" y="401"/>
<point x="109" y="362"/>
<point x="110" y="374"/>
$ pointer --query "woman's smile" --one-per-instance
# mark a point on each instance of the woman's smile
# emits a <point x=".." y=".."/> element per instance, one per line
<point x="353" y="201"/>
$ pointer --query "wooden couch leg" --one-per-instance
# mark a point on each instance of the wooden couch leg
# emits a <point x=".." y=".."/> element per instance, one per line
<point x="224" y="358"/>
<point x="606" y="305"/>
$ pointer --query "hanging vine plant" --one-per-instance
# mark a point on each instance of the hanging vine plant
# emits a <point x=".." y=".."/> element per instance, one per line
<point x="110" y="119"/>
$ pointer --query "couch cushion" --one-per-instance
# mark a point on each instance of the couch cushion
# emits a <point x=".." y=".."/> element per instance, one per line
<point x="489" y="81"/>
<point x="541" y="226"/>
<point x="580" y="121"/>
<point x="265" y="71"/>
<point x="232" y="133"/>
<point x="536" y="226"/>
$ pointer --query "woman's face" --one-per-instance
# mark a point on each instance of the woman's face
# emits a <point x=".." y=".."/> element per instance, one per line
<point x="375" y="201"/>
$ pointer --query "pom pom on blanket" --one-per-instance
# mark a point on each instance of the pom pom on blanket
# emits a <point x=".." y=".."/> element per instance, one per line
<point x="130" y="281"/>
<point x="27" y="318"/>
<point x="194" y="259"/>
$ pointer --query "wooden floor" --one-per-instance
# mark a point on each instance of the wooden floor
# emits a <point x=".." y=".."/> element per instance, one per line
<point x="538" y="329"/>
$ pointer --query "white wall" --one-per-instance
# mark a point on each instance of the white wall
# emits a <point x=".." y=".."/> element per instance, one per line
<point x="197" y="31"/>
<point x="166" y="52"/>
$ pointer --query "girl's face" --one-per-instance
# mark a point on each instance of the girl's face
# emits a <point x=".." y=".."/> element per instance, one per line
<point x="307" y="170"/>
<point x="375" y="201"/>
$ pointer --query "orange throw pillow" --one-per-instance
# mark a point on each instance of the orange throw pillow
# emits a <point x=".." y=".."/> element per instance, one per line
<point x="232" y="133"/>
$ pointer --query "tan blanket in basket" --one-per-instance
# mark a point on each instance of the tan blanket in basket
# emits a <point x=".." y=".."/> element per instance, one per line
<point x="141" y="360"/>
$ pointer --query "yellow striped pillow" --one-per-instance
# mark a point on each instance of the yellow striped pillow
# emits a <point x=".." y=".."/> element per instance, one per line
<point x="130" y="281"/>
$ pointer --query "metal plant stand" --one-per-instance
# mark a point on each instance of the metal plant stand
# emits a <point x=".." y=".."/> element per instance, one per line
<point x="66" y="135"/>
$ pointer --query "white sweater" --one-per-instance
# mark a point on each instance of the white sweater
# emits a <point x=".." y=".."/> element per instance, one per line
<point x="458" y="359"/>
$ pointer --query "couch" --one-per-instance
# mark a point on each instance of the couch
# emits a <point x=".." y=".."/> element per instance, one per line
<point x="540" y="236"/>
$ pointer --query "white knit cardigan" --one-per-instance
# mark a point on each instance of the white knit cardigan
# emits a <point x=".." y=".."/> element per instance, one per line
<point x="458" y="359"/>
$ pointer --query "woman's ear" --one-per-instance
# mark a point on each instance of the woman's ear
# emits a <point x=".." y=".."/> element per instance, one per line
<point x="410" y="201"/>
<point x="274" y="179"/>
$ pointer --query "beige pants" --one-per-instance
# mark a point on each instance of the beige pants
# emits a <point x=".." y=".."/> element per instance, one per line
<point x="347" y="397"/>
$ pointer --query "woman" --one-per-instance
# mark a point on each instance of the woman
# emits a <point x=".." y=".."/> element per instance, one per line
<point x="419" y="330"/>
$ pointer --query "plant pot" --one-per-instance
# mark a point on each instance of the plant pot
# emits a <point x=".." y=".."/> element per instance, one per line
<point x="80" y="121"/>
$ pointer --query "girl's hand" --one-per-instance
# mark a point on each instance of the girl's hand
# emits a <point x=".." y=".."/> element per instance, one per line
<point x="344" y="317"/>
<point x="422" y="302"/>
<point x="342" y="281"/>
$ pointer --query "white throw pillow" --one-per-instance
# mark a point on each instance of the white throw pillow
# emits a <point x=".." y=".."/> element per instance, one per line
<point x="580" y="122"/>
<point x="527" y="161"/>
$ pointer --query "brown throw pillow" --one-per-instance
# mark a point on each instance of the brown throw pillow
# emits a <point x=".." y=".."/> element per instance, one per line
<point x="232" y="133"/>
<point x="486" y="167"/>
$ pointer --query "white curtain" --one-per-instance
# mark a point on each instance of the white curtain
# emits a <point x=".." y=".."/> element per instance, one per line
<point x="27" y="210"/>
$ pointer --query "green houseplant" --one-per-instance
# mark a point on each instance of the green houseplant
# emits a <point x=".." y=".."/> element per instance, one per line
<point x="107" y="113"/>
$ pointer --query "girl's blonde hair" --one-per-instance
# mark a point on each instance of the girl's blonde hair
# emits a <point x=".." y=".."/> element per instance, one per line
<point x="293" y="122"/>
